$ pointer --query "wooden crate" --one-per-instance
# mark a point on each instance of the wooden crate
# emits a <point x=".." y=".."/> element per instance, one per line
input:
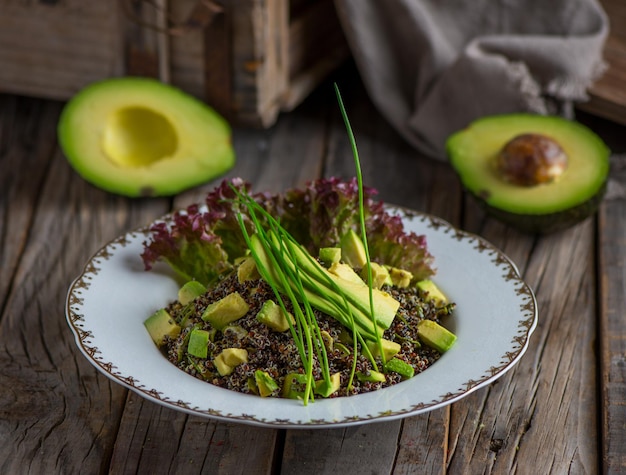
<point x="249" y="59"/>
<point x="607" y="97"/>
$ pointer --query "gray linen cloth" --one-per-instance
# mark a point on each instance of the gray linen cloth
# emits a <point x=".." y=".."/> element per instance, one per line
<point x="432" y="66"/>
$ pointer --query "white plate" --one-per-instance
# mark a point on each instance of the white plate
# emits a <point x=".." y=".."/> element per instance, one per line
<point x="495" y="315"/>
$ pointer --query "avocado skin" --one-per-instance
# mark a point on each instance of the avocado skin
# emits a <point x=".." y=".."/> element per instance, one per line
<point x="545" y="223"/>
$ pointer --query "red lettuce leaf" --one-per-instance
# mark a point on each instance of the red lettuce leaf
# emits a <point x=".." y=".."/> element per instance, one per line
<point x="202" y="245"/>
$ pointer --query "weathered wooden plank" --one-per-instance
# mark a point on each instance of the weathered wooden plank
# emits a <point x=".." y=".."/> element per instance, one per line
<point x="551" y="394"/>
<point x="53" y="50"/>
<point x="612" y="260"/>
<point x="20" y="121"/>
<point x="59" y="414"/>
<point x="154" y="439"/>
<point x="423" y="443"/>
<point x="359" y="449"/>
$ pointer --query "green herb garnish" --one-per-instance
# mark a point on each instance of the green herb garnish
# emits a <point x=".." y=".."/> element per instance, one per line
<point x="359" y="176"/>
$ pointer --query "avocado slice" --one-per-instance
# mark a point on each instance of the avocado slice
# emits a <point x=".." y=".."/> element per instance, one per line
<point x="346" y="272"/>
<point x="539" y="174"/>
<point x="234" y="356"/>
<point x="140" y="137"/>
<point x="435" y="336"/>
<point x="226" y="310"/>
<point x="325" y="389"/>
<point x="371" y="376"/>
<point x="229" y="359"/>
<point x="329" y="255"/>
<point x="432" y="292"/>
<point x="390" y="348"/>
<point x="353" y="250"/>
<point x="399" y="277"/>
<point x="380" y="275"/>
<point x="198" y="343"/>
<point x="161" y="325"/>
<point x="272" y="315"/>
<point x="190" y="291"/>
<point x="247" y="270"/>
<point x="401" y="367"/>
<point x="223" y="368"/>
<point x="327" y="338"/>
<point x="265" y="383"/>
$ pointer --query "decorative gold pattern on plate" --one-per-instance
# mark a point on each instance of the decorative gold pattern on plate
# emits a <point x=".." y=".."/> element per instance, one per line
<point x="509" y="272"/>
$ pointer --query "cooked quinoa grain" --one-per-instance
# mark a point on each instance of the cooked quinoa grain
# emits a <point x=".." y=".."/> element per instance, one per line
<point x="276" y="353"/>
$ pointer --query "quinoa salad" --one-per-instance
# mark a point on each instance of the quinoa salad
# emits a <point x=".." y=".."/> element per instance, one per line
<point x="275" y="352"/>
<point x="300" y="295"/>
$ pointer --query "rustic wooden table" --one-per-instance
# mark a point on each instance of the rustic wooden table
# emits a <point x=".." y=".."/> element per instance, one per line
<point x="562" y="409"/>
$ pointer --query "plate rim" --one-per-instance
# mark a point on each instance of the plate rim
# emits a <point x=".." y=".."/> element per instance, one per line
<point x="508" y="361"/>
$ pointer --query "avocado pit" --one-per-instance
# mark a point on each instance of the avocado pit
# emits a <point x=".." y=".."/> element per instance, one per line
<point x="531" y="159"/>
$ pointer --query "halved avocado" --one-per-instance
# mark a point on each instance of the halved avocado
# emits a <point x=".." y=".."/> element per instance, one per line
<point x="537" y="173"/>
<point x="140" y="137"/>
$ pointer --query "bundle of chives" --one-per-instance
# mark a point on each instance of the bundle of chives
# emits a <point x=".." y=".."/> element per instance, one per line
<point x="306" y="332"/>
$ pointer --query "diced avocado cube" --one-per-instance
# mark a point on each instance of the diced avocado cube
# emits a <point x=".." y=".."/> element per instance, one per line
<point x="380" y="275"/>
<point x="402" y="368"/>
<point x="346" y="272"/>
<point x="432" y="292"/>
<point x="161" y="325"/>
<point x="399" y="277"/>
<point x="330" y="255"/>
<point x="190" y="291"/>
<point x="265" y="383"/>
<point x="272" y="315"/>
<point x="329" y="343"/>
<point x="294" y="386"/>
<point x="372" y="376"/>
<point x="390" y="348"/>
<point x="234" y="356"/>
<point x="326" y="388"/>
<point x="247" y="270"/>
<point x="226" y="310"/>
<point x="198" y="343"/>
<point x="434" y="335"/>
<point x="222" y="368"/>
<point x="353" y="250"/>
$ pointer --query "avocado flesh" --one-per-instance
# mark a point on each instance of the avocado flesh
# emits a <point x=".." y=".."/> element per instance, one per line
<point x="389" y="348"/>
<point x="435" y="336"/>
<point x="353" y="250"/>
<point x="189" y="291"/>
<point x="198" y="343"/>
<point x="543" y="208"/>
<point x="140" y="137"/>
<point x="226" y="310"/>
<point x="272" y="315"/>
<point x="161" y="326"/>
<point x="265" y="383"/>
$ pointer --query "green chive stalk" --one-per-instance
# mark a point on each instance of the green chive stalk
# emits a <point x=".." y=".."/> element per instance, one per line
<point x="280" y="247"/>
<point x="359" y="176"/>
<point x="306" y="334"/>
